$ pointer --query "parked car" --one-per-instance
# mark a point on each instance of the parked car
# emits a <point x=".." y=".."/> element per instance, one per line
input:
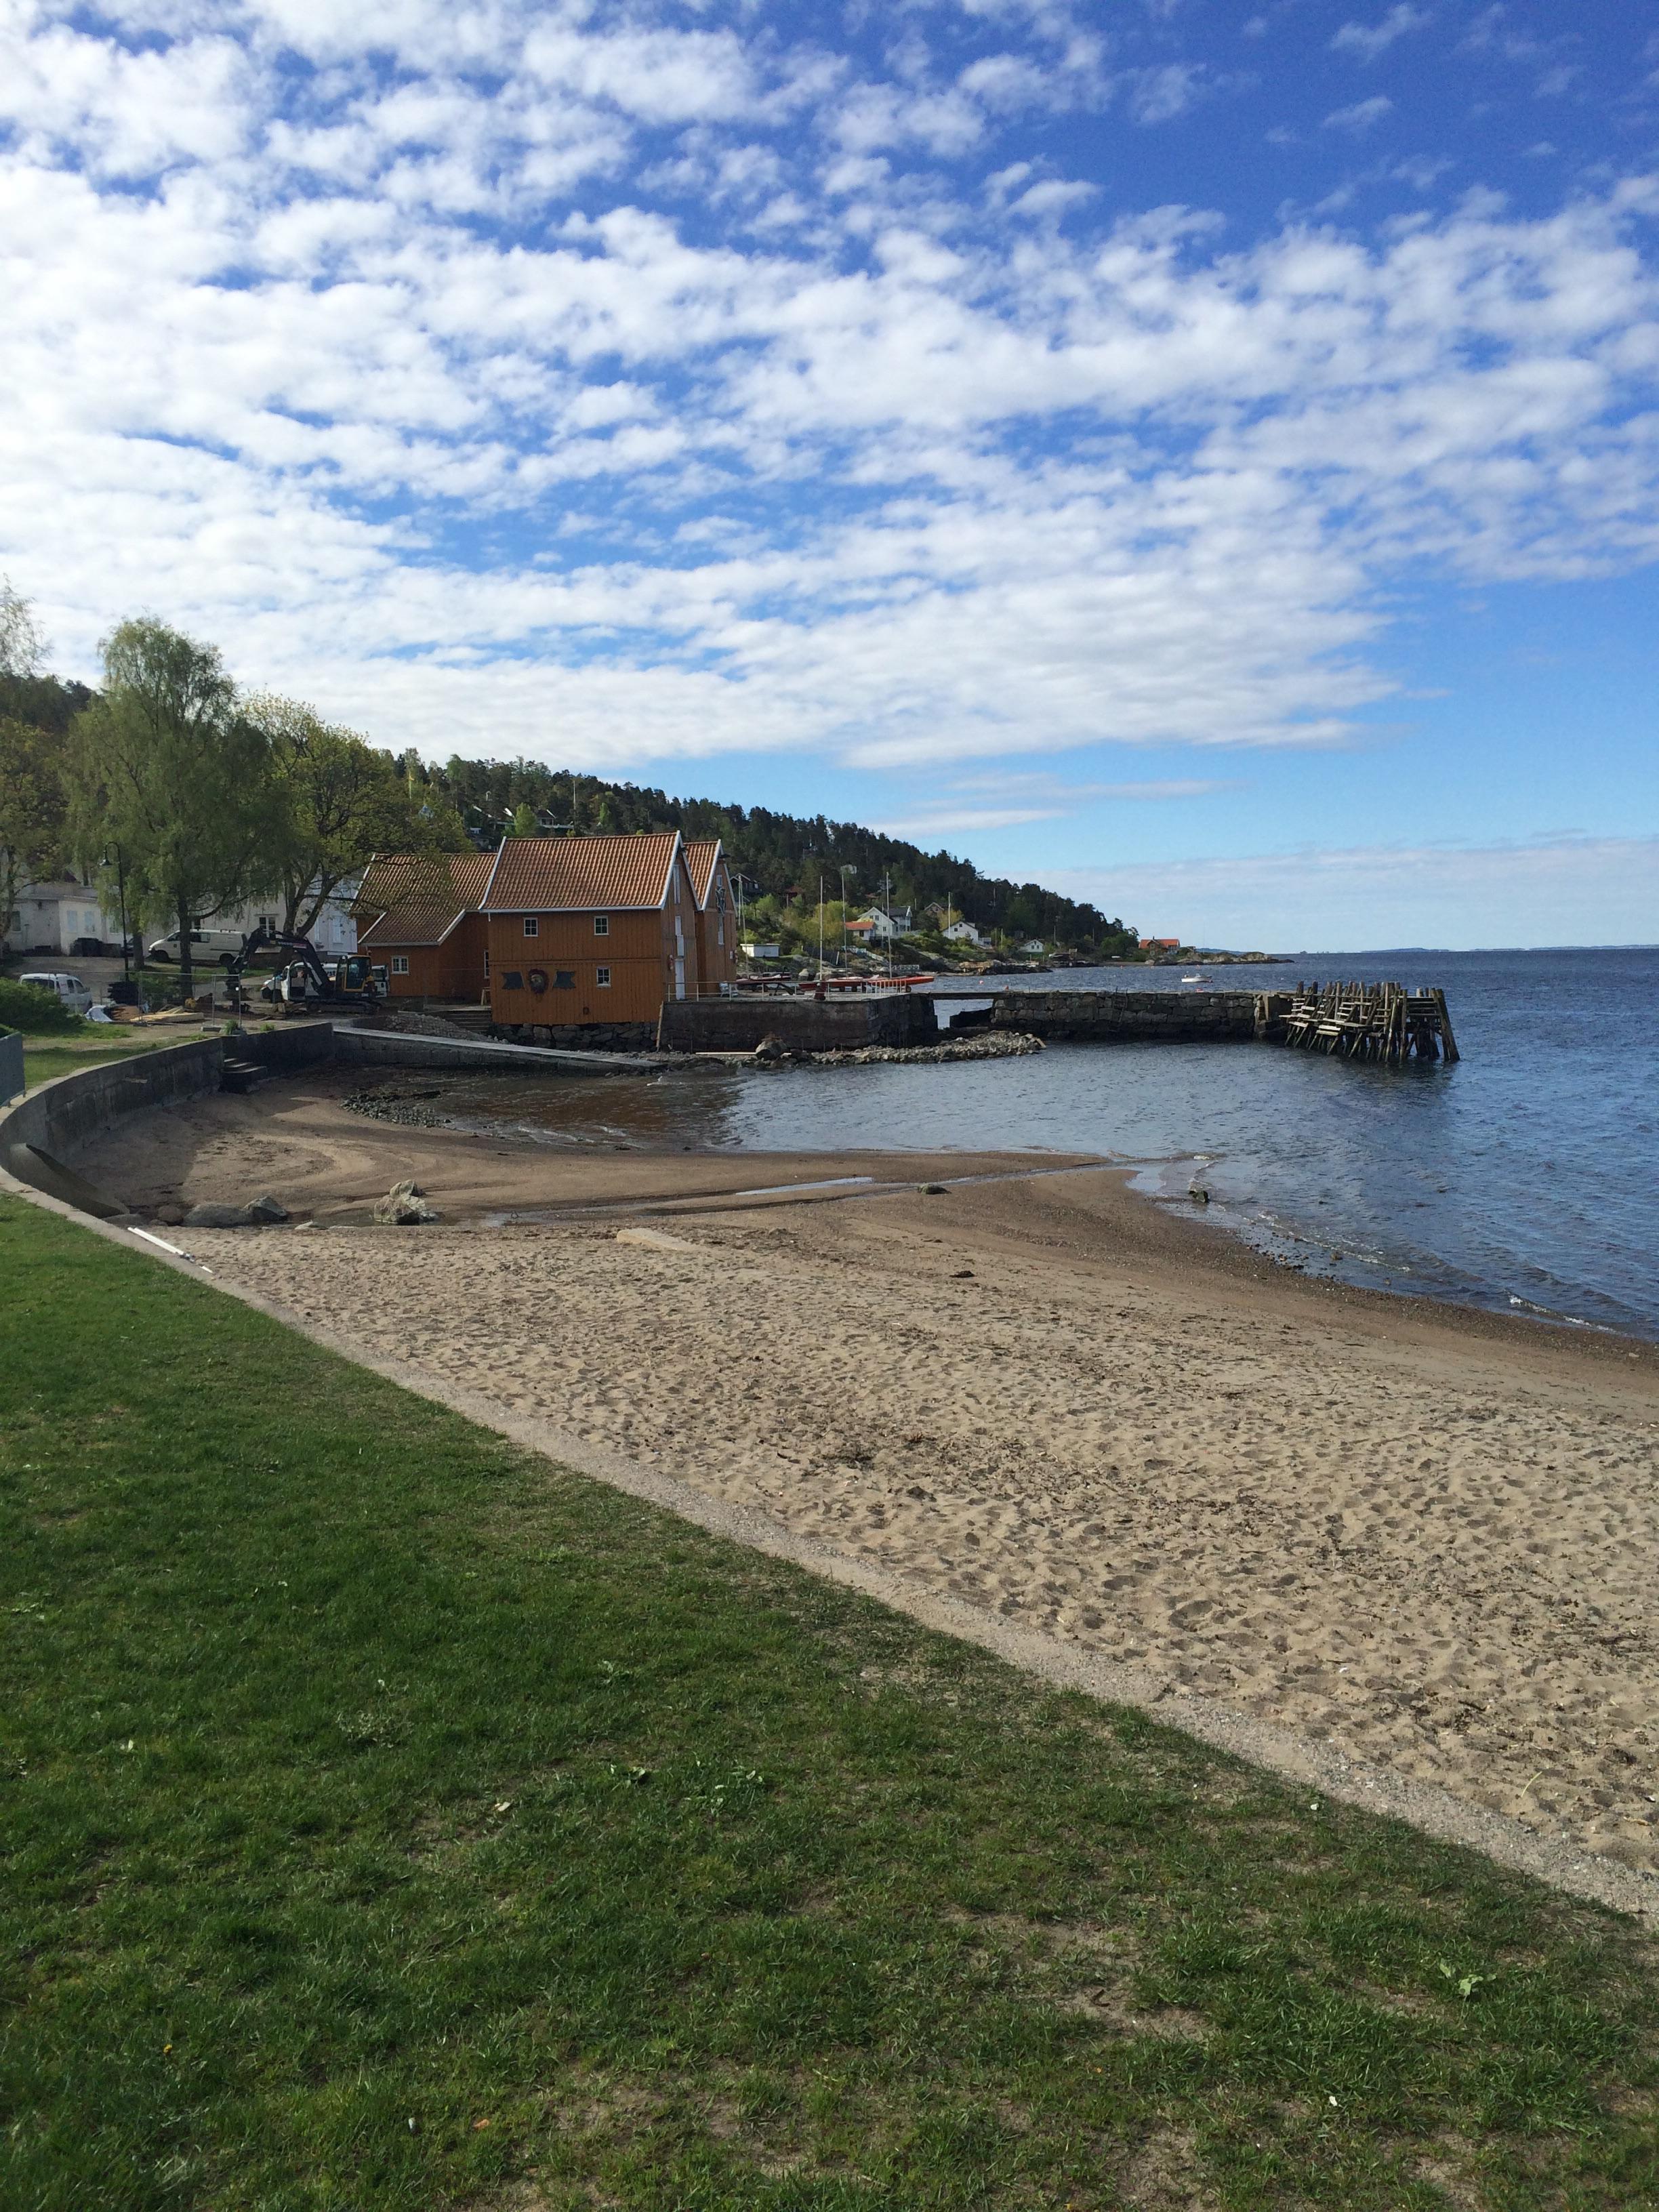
<point x="205" y="946"/>
<point x="70" y="992"/>
<point x="94" y="948"/>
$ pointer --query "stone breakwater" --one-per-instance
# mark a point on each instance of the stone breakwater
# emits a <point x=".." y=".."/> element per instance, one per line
<point x="1138" y="1016"/>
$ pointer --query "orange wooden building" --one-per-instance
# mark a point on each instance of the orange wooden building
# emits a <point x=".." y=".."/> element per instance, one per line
<point x="716" y="912"/>
<point x="589" y="931"/>
<point x="418" y="914"/>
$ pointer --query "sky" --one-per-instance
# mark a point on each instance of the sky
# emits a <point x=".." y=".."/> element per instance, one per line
<point x="1202" y="459"/>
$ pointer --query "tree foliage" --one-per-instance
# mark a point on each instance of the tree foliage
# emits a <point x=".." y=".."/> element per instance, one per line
<point x="166" y="771"/>
<point x="33" y="826"/>
<point x="339" y="801"/>
<point x="781" y="855"/>
<point x="22" y="648"/>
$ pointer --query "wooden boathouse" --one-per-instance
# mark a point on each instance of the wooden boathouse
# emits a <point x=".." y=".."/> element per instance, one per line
<point x="417" y="915"/>
<point x="715" y="913"/>
<point x="590" y="933"/>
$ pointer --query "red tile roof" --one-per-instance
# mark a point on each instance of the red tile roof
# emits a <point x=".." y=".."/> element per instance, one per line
<point x="701" y="854"/>
<point x="419" y="897"/>
<point x="564" y="875"/>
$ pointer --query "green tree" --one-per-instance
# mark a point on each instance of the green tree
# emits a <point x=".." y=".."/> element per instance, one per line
<point x="34" y="830"/>
<point x="340" y="801"/>
<point x="166" y="768"/>
<point x="22" y="648"/>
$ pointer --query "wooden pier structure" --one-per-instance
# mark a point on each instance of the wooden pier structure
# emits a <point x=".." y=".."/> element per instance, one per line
<point x="1361" y="1021"/>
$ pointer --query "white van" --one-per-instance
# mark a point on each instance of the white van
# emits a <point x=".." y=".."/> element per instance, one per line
<point x="206" y="945"/>
<point x="70" y="992"/>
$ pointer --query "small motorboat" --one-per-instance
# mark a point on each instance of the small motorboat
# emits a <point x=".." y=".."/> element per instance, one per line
<point x="1200" y="979"/>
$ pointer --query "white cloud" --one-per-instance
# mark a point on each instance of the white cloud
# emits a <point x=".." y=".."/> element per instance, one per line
<point x="1562" y="890"/>
<point x="421" y="390"/>
<point x="1160" y="94"/>
<point x="1363" y="115"/>
<point x="965" y="821"/>
<point x="1368" y="41"/>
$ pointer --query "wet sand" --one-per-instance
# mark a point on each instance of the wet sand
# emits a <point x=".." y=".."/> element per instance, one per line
<point x="1425" y="1535"/>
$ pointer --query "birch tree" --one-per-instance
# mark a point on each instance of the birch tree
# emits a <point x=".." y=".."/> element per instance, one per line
<point x="166" y="767"/>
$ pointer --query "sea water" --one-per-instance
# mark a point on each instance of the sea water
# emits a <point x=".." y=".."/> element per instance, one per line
<point x="1525" y="1178"/>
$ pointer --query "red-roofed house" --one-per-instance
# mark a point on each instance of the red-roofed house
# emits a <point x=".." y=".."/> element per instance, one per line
<point x="716" y="912"/>
<point x="425" y="925"/>
<point x="588" y="930"/>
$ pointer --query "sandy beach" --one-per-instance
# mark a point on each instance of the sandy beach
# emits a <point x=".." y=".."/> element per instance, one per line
<point x="1426" y="1535"/>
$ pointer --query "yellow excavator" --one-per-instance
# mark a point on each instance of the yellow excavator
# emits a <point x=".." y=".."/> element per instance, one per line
<point x="352" y="983"/>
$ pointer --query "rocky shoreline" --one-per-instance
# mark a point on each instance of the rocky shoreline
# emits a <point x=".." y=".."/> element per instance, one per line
<point x="988" y="1044"/>
<point x="382" y="1105"/>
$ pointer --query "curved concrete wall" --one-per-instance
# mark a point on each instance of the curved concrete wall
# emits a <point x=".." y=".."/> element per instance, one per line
<point x="62" y="1116"/>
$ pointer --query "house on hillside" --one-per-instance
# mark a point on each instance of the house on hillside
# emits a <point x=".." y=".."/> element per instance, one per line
<point x="963" y="932"/>
<point x="715" y="913"/>
<point x="418" y="916"/>
<point x="590" y="931"/>
<point x="876" y="926"/>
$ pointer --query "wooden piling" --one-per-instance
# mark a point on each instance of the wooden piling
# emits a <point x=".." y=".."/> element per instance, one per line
<point x="1369" y="1021"/>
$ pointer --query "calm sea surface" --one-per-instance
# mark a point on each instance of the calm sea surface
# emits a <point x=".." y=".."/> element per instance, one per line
<point x="1527" y="1177"/>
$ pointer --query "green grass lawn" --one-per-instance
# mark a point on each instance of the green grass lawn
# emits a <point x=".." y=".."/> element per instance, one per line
<point x="48" y="1056"/>
<point x="389" y="1820"/>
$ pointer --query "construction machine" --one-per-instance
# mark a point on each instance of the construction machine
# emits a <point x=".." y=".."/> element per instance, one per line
<point x="352" y="984"/>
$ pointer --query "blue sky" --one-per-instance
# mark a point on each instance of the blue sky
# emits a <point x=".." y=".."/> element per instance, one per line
<point x="1206" y="460"/>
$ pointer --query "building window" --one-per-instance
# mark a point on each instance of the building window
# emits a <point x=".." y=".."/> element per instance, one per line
<point x="564" y="979"/>
<point x="513" y="980"/>
<point x="601" y="925"/>
<point x="602" y="978"/>
<point x="400" y="964"/>
<point x="532" y="927"/>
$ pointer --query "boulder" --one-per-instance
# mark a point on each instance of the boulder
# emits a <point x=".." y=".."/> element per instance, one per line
<point x="267" y="1208"/>
<point x="404" y="1206"/>
<point x="215" y="1216"/>
<point x="170" y="1213"/>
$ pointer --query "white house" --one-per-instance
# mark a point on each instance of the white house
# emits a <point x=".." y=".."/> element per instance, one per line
<point x="333" y="931"/>
<point x="1034" y="944"/>
<point x="963" y="932"/>
<point x="882" y="927"/>
<point x="53" y="916"/>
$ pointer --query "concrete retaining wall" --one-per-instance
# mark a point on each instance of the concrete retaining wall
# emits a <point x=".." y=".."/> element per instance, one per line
<point x="1131" y="1017"/>
<point x="307" y="1044"/>
<point x="806" y="1024"/>
<point x="394" y="1048"/>
<point x="60" y="1117"/>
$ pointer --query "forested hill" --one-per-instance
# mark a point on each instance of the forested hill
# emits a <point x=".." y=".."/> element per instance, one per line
<point x="781" y="855"/>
